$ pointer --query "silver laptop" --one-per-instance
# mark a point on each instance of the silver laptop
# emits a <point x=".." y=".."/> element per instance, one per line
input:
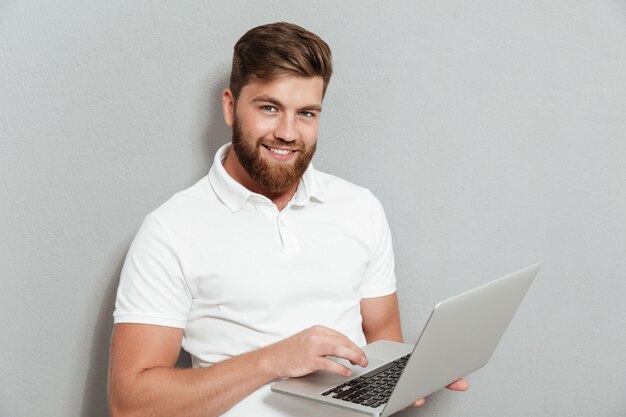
<point x="459" y="337"/>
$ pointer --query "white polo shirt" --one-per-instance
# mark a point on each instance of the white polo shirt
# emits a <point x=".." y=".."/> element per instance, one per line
<point x="222" y="263"/>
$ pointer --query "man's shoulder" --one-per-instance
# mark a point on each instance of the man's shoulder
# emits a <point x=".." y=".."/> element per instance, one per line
<point x="191" y="201"/>
<point x="340" y="189"/>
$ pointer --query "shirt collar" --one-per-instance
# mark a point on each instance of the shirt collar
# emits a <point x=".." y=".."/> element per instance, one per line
<point x="235" y="195"/>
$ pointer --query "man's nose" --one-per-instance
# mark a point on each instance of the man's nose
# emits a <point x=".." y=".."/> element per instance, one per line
<point x="286" y="128"/>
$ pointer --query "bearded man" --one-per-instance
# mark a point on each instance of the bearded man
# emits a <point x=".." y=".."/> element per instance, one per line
<point x="261" y="269"/>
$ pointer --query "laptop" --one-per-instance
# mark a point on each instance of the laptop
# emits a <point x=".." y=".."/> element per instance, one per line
<point x="460" y="337"/>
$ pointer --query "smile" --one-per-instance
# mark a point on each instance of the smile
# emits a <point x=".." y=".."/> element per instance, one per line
<point x="279" y="151"/>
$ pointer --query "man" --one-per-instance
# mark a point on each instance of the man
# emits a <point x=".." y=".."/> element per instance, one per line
<point x="261" y="269"/>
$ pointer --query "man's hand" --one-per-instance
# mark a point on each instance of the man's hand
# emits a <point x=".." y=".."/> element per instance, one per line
<point x="458" y="385"/>
<point x="305" y="352"/>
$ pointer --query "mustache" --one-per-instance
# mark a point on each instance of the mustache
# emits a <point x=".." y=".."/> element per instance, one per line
<point x="292" y="146"/>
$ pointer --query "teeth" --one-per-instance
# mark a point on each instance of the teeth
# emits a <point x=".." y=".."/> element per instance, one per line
<point x="280" y="151"/>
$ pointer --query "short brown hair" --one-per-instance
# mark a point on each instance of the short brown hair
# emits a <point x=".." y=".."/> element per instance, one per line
<point x="278" y="49"/>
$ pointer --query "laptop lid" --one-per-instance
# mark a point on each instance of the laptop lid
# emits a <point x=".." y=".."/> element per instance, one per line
<point x="460" y="337"/>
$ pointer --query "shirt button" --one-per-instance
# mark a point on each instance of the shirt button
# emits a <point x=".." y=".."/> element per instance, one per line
<point x="282" y="223"/>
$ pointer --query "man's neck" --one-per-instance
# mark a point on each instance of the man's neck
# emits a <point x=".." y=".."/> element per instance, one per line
<point x="237" y="172"/>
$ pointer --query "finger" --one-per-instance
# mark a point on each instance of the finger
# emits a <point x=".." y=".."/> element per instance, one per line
<point x="332" y="366"/>
<point x="349" y="353"/>
<point x="419" y="403"/>
<point x="459" y="385"/>
<point x="362" y="357"/>
<point x="336" y="339"/>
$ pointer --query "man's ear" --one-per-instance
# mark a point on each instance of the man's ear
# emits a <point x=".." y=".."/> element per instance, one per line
<point x="228" y="106"/>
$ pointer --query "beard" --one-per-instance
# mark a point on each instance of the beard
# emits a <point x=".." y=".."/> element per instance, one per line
<point x="273" y="176"/>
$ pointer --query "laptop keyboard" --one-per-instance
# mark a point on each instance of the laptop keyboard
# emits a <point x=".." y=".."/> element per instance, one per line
<point x="373" y="388"/>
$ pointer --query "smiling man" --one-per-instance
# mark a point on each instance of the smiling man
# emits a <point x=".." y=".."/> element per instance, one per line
<point x="261" y="269"/>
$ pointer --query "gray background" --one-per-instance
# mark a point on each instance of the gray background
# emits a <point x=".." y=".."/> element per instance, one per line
<point x="493" y="133"/>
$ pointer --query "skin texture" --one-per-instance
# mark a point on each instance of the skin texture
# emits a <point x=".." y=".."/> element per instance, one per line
<point x="143" y="381"/>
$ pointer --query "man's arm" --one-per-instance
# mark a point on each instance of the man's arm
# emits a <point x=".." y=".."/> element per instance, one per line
<point x="144" y="382"/>
<point x="381" y="318"/>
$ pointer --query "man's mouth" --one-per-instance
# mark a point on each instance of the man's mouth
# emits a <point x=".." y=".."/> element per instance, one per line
<point x="280" y="151"/>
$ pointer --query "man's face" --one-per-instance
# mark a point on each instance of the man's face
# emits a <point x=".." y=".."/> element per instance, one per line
<point x="275" y="124"/>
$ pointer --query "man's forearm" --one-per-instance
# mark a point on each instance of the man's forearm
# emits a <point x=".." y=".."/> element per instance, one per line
<point x="205" y="392"/>
<point x="143" y="382"/>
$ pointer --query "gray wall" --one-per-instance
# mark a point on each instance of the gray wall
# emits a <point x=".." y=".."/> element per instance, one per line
<point x="493" y="132"/>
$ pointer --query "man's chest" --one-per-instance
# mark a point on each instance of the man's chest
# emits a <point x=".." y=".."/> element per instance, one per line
<point x="276" y="258"/>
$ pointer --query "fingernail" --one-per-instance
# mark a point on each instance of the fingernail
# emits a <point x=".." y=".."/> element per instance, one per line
<point x="363" y="361"/>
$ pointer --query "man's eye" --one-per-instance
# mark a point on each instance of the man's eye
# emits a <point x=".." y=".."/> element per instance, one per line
<point x="307" y="114"/>
<point x="270" y="109"/>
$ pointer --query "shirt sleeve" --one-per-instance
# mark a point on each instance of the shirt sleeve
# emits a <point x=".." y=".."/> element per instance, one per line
<point x="380" y="277"/>
<point x="152" y="287"/>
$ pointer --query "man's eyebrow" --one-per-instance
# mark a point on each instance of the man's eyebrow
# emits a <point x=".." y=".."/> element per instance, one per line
<point x="268" y="99"/>
<point x="314" y="107"/>
<point x="277" y="103"/>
